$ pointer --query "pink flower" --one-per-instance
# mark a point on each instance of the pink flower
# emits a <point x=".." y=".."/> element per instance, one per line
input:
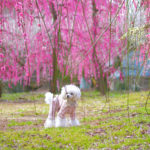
<point x="3" y="68"/>
<point x="148" y="36"/>
<point x="21" y="15"/>
<point x="1" y="55"/>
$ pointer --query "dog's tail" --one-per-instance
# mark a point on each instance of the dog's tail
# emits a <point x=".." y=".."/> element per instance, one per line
<point x="48" y="97"/>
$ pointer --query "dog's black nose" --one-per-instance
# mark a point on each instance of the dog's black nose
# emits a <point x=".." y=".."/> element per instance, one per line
<point x="67" y="96"/>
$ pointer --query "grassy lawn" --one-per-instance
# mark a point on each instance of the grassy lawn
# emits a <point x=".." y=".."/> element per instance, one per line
<point x="105" y="123"/>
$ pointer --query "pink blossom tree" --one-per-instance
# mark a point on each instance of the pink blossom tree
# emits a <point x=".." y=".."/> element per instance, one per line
<point x="76" y="38"/>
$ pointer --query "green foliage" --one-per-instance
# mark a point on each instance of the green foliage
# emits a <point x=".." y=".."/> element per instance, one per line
<point x="136" y="36"/>
<point x="119" y="86"/>
<point x="13" y="89"/>
<point x="134" y="32"/>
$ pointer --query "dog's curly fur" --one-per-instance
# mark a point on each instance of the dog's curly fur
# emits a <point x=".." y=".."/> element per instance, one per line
<point x="63" y="104"/>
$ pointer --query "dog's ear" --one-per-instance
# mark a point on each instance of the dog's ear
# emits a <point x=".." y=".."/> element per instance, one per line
<point x="78" y="94"/>
<point x="62" y="89"/>
<point x="63" y="92"/>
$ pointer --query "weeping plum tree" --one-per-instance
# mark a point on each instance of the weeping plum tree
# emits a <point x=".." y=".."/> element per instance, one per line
<point x="34" y="29"/>
<point x="100" y="41"/>
<point x="68" y="36"/>
<point x="104" y="23"/>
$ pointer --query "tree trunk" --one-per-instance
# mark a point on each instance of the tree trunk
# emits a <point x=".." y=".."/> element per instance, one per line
<point x="54" y="79"/>
<point x="102" y="85"/>
<point x="102" y="81"/>
<point x="53" y="83"/>
<point x="0" y="89"/>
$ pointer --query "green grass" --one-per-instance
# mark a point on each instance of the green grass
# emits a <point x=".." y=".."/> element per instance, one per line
<point x="21" y="123"/>
<point x="49" y="138"/>
<point x="22" y="96"/>
<point x="15" y="123"/>
<point x="104" y="124"/>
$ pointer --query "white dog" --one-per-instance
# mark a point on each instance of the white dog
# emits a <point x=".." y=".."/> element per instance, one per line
<point x="62" y="104"/>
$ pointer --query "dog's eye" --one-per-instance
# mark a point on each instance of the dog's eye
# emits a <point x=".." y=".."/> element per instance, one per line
<point x="71" y="93"/>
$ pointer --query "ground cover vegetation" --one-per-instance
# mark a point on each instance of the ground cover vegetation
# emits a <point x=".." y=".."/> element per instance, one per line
<point x="105" y="123"/>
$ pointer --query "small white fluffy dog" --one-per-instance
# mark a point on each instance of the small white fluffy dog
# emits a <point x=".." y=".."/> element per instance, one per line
<point x="63" y="104"/>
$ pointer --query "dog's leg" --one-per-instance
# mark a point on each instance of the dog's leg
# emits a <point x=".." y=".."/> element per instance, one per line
<point x="61" y="120"/>
<point x="50" y="121"/>
<point x="74" y="121"/>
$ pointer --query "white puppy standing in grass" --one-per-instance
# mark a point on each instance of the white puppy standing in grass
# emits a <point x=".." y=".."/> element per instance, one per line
<point x="63" y="104"/>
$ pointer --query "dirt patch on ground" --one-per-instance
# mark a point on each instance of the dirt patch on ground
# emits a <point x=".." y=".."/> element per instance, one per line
<point x="98" y="132"/>
<point x="3" y="124"/>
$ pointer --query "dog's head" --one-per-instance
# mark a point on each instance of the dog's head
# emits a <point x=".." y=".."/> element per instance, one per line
<point x="71" y="92"/>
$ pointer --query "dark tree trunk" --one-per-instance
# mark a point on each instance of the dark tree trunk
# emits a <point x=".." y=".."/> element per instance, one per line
<point x="101" y="81"/>
<point x="102" y="85"/>
<point x="54" y="79"/>
<point x="0" y="89"/>
<point x="53" y="83"/>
